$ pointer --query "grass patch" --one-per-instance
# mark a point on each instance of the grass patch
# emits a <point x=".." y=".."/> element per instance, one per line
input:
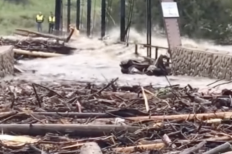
<point x="21" y="13"/>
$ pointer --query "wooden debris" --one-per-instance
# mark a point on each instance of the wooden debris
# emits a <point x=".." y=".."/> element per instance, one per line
<point x="90" y="148"/>
<point x="145" y="100"/>
<point x="220" y="149"/>
<point x="36" y="53"/>
<point x="37" y="34"/>
<point x="45" y="46"/>
<point x="80" y="130"/>
<point x="200" y="116"/>
<point x="16" y="141"/>
<point x="40" y="47"/>
<point x="76" y="32"/>
<point x="195" y="148"/>
<point x="63" y="117"/>
<point x="130" y="149"/>
<point x="17" y="70"/>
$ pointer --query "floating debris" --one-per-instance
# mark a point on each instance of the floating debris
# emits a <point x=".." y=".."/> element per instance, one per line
<point x="38" y="45"/>
<point x="70" y="116"/>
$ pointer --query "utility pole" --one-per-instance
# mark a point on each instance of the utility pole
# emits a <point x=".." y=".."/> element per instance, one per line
<point x="122" y="20"/>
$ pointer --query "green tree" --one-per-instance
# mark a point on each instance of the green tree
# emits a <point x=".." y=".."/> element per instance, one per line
<point x="210" y="19"/>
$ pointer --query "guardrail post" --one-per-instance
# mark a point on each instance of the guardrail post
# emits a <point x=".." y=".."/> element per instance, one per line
<point x="148" y="50"/>
<point x="156" y="52"/>
<point x="136" y="49"/>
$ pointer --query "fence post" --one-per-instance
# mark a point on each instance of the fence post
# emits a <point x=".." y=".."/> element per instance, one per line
<point x="136" y="49"/>
<point x="156" y="52"/>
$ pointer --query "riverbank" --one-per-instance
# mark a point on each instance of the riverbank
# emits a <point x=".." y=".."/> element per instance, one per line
<point x="21" y="14"/>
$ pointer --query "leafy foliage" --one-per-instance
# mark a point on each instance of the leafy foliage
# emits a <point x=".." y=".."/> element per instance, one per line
<point x="19" y="2"/>
<point x="210" y="19"/>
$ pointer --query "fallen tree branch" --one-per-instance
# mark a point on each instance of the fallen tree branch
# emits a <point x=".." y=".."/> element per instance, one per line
<point x="77" y="129"/>
<point x="201" y="116"/>
<point x="156" y="146"/>
<point x="194" y="148"/>
<point x="220" y="149"/>
<point x="36" y="53"/>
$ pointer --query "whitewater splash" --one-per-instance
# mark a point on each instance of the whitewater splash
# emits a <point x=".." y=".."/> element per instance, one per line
<point x="98" y="61"/>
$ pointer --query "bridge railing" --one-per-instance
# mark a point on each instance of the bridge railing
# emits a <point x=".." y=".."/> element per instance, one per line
<point x="154" y="49"/>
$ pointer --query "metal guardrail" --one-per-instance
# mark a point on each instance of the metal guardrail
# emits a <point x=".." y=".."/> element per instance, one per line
<point x="149" y="52"/>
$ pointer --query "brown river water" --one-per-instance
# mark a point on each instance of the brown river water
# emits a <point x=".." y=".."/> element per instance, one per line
<point x="98" y="61"/>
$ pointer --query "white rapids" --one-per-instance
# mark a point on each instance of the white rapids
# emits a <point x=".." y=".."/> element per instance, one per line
<point x="98" y="61"/>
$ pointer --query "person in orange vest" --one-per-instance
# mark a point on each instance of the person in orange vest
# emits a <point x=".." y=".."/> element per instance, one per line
<point x="51" y="21"/>
<point x="39" y="21"/>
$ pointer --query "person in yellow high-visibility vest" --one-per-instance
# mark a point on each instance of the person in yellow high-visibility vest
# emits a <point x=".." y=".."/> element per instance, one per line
<point x="39" y="21"/>
<point x="51" y="21"/>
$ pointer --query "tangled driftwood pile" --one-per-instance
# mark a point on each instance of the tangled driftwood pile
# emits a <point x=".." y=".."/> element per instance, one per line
<point x="73" y="117"/>
<point x="38" y="44"/>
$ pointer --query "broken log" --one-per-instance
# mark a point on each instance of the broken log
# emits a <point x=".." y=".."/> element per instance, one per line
<point x="220" y="149"/>
<point x="29" y="33"/>
<point x="130" y="149"/>
<point x="201" y="116"/>
<point x="37" y="53"/>
<point x="230" y="152"/>
<point x="109" y="114"/>
<point x="90" y="148"/>
<point x="194" y="149"/>
<point x="40" y="45"/>
<point x="76" y="31"/>
<point x="41" y="34"/>
<point x="25" y="34"/>
<point x="16" y="141"/>
<point x="17" y="70"/>
<point x="71" y="129"/>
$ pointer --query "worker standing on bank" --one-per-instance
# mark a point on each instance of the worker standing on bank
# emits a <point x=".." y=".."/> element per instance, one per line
<point x="39" y="21"/>
<point x="51" y="21"/>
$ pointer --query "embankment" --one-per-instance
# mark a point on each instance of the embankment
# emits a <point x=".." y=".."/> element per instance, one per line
<point x="6" y="60"/>
<point x="201" y="62"/>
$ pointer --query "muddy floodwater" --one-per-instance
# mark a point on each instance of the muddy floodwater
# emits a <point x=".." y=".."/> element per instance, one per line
<point x="98" y="61"/>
